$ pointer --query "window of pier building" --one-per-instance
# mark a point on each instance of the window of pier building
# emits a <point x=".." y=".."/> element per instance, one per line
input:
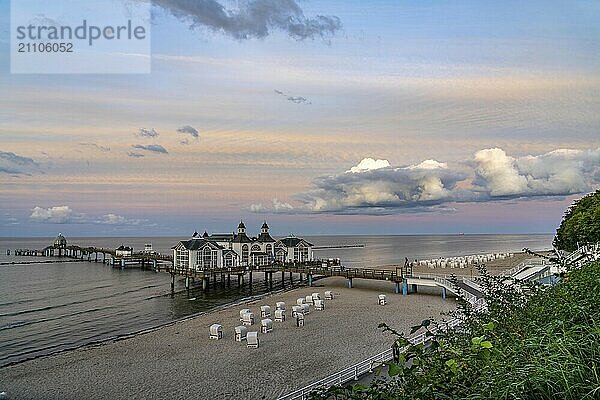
<point x="255" y="248"/>
<point x="228" y="260"/>
<point x="207" y="258"/>
<point x="280" y="254"/>
<point x="245" y="254"/>
<point x="269" y="249"/>
<point x="182" y="259"/>
<point x="301" y="253"/>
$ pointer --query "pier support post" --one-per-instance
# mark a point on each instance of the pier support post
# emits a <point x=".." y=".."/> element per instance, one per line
<point x="228" y="280"/>
<point x="309" y="279"/>
<point x="444" y="293"/>
<point x="154" y="266"/>
<point x="204" y="283"/>
<point x="172" y="282"/>
<point x="300" y="276"/>
<point x="187" y="283"/>
<point x="414" y="288"/>
<point x="349" y="283"/>
<point x="404" y="288"/>
<point x="240" y="277"/>
<point x="122" y="263"/>
<point x="283" y="278"/>
<point x="250" y="278"/>
<point x="397" y="287"/>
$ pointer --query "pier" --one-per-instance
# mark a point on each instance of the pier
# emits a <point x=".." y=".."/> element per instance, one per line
<point x="402" y="277"/>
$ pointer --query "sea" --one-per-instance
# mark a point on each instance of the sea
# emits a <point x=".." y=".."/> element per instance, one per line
<point x="51" y="307"/>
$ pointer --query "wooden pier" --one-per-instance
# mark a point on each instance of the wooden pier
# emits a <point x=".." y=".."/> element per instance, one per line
<point x="401" y="276"/>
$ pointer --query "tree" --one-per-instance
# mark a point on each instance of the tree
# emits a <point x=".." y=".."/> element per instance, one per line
<point x="580" y="224"/>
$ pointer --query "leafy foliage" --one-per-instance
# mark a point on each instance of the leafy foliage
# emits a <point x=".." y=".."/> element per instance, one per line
<point x="580" y="224"/>
<point x="532" y="342"/>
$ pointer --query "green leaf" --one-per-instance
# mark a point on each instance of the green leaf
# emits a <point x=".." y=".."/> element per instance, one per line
<point x="359" y="387"/>
<point x="394" y="369"/>
<point x="489" y="326"/>
<point x="486" y="344"/>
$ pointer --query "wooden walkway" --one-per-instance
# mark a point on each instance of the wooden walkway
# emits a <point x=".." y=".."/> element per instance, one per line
<point x="401" y="276"/>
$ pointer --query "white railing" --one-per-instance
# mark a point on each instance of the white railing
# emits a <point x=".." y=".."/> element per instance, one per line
<point x="472" y="284"/>
<point x="446" y="283"/>
<point x="343" y="376"/>
<point x="521" y="266"/>
<point x="357" y="370"/>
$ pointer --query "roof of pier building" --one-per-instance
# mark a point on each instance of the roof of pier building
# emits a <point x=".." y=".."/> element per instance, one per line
<point x="60" y="241"/>
<point x="220" y="237"/>
<point x="293" y="241"/>
<point x="196" y="244"/>
<point x="241" y="238"/>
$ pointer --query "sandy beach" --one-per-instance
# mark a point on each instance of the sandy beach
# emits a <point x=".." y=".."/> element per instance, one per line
<point x="494" y="267"/>
<point x="180" y="361"/>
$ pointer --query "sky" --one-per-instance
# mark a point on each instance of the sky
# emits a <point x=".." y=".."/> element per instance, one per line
<point x="321" y="117"/>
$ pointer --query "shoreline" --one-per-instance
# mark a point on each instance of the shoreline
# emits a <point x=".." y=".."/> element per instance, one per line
<point x="307" y="354"/>
<point x="240" y="301"/>
<point x="125" y="336"/>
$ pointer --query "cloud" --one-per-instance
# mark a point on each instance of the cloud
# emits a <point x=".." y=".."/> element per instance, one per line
<point x="96" y="146"/>
<point x="187" y="129"/>
<point x="66" y="215"/>
<point x="559" y="172"/>
<point x="115" y="219"/>
<point x="151" y="133"/>
<point x="54" y="215"/>
<point x="252" y="18"/>
<point x="14" y="164"/>
<point x="134" y="154"/>
<point x="369" y="164"/>
<point x="155" y="148"/>
<point x="293" y="99"/>
<point x="275" y="207"/>
<point x="376" y="187"/>
<point x="299" y="100"/>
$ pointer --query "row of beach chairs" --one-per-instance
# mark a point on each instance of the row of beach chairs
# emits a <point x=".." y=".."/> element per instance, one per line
<point x="247" y="318"/>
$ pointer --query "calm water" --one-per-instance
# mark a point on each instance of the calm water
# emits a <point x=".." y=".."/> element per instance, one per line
<point x="50" y="307"/>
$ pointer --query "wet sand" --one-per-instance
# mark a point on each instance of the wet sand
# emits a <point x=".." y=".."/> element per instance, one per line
<point x="180" y="361"/>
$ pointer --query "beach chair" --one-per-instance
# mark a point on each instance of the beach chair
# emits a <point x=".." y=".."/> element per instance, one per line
<point x="305" y="309"/>
<point x="296" y="310"/>
<point x="266" y="325"/>
<point x="329" y="295"/>
<point x="240" y="333"/>
<point x="316" y="296"/>
<point x="265" y="311"/>
<point x="319" y="304"/>
<point x="242" y="312"/>
<point x="216" y="331"/>
<point x="248" y="319"/>
<point x="280" y="305"/>
<point x="252" y="340"/>
<point x="299" y="320"/>
<point x="308" y="299"/>
<point x="382" y="300"/>
<point x="300" y="301"/>
<point x="280" y="315"/>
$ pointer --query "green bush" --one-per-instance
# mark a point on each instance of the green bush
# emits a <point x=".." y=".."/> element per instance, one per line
<point x="532" y="343"/>
<point x="581" y="223"/>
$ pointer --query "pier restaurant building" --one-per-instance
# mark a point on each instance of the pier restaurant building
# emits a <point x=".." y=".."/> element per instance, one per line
<point x="202" y="252"/>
